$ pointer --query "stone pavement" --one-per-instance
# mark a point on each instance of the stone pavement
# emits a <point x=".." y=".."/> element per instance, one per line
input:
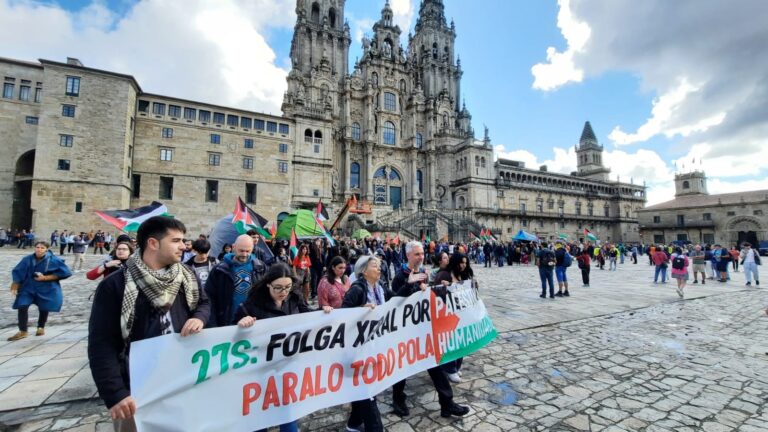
<point x="623" y="354"/>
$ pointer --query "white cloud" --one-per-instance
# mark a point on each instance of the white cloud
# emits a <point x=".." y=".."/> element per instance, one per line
<point x="403" y="11"/>
<point x="212" y="51"/>
<point x="560" y="68"/>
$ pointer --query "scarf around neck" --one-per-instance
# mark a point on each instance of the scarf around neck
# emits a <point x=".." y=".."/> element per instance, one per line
<point x="160" y="287"/>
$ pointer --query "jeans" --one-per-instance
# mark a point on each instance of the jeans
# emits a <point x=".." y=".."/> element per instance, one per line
<point x="750" y="269"/>
<point x="560" y="273"/>
<point x="663" y="271"/>
<point x="500" y="260"/>
<point x="287" y="427"/>
<point x="545" y="273"/>
<point x="622" y="258"/>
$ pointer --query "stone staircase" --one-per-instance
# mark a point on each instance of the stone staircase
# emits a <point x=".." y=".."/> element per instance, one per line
<point x="456" y="224"/>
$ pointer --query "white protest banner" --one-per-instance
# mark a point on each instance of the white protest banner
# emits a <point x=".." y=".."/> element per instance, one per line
<point x="282" y="369"/>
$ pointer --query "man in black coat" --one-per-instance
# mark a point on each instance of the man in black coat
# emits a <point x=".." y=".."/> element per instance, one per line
<point x="406" y="282"/>
<point x="154" y="295"/>
<point x="229" y="282"/>
<point x="487" y="249"/>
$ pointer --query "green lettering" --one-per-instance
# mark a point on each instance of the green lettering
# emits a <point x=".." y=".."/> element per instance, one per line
<point x="204" y="357"/>
<point x="237" y="351"/>
<point x="222" y="350"/>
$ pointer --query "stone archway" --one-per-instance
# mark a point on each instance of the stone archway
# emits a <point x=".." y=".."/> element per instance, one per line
<point x="742" y="229"/>
<point x="21" y="213"/>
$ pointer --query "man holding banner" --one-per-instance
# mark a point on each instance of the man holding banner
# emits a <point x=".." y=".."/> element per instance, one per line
<point x="154" y="295"/>
<point x="412" y="278"/>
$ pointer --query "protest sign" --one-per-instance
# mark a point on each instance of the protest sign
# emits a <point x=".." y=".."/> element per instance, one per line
<point x="282" y="369"/>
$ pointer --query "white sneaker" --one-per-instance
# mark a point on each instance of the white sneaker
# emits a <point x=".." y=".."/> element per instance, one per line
<point x="453" y="377"/>
<point x="459" y="372"/>
<point x="355" y="429"/>
<point x="680" y="292"/>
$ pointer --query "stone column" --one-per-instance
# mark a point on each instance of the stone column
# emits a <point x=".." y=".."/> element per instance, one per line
<point x="431" y="190"/>
<point x="369" y="170"/>
<point x="347" y="167"/>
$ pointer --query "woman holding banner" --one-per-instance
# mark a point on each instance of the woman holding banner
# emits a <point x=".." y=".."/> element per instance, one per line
<point x="365" y="292"/>
<point x="273" y="296"/>
<point x="459" y="271"/>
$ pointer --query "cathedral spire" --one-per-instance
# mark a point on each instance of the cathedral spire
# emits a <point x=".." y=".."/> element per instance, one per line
<point x="431" y="11"/>
<point x="588" y="138"/>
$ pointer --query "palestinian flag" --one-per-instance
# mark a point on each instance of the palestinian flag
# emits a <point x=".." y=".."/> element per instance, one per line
<point x="490" y="235"/>
<point x="589" y="235"/>
<point x="320" y="212"/>
<point x="294" y="245"/>
<point x="128" y="220"/>
<point x="483" y="235"/>
<point x="327" y="234"/>
<point x="244" y="219"/>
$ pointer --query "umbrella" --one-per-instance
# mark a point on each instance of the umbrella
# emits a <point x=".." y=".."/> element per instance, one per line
<point x="304" y="223"/>
<point x="224" y="232"/>
<point x="361" y="234"/>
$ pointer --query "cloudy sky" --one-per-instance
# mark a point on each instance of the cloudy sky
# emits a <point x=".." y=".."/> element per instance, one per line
<point x="667" y="85"/>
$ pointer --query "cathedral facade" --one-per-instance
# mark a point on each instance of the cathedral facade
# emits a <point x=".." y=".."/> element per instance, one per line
<point x="392" y="131"/>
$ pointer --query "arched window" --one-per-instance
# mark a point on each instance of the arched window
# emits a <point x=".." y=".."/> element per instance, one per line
<point x="394" y="175"/>
<point x="686" y="185"/>
<point x="332" y="17"/>
<point x="318" y="137"/>
<point x="419" y="181"/>
<point x="308" y="136"/>
<point x="482" y="162"/>
<point x="387" y="189"/>
<point x="387" y="48"/>
<point x="434" y="50"/>
<point x="419" y="140"/>
<point x="389" y="101"/>
<point x="375" y="79"/>
<point x="380" y="173"/>
<point x="315" y="16"/>
<point x="389" y="133"/>
<point x="354" y="175"/>
<point x="356" y="131"/>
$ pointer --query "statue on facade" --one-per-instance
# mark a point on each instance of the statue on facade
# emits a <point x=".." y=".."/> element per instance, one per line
<point x="334" y="180"/>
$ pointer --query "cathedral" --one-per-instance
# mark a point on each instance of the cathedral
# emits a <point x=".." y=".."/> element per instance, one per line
<point x="392" y="131"/>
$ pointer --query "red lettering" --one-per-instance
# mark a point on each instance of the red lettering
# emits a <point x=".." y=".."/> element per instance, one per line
<point x="401" y="351"/>
<point x="289" y="387"/>
<point x="306" y="385"/>
<point x="251" y="392"/>
<point x="411" y="351"/>
<point x="319" y="389"/>
<point x="370" y="364"/>
<point x="338" y="369"/>
<point x="271" y="396"/>
<point x="430" y="349"/>
<point x="356" y="372"/>
<point x="390" y="361"/>
<point x="381" y="366"/>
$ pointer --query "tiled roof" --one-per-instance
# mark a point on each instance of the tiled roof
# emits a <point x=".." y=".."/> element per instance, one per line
<point x="688" y="201"/>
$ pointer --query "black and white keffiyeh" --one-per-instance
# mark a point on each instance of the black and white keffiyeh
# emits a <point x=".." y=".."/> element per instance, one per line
<point x="160" y="287"/>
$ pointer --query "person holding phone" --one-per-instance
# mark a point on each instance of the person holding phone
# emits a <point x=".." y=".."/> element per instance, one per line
<point x="36" y="281"/>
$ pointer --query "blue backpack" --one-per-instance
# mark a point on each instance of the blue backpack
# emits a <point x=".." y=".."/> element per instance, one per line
<point x="567" y="260"/>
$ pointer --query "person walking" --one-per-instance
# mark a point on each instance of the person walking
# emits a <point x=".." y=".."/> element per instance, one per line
<point x="36" y="282"/>
<point x="230" y="281"/>
<point x="272" y="296"/>
<point x="698" y="259"/>
<point x="546" y="262"/>
<point x="750" y="259"/>
<point x="79" y="247"/>
<point x="412" y="278"/>
<point x="563" y="260"/>
<point x="154" y="295"/>
<point x="680" y="265"/>
<point x="365" y="292"/>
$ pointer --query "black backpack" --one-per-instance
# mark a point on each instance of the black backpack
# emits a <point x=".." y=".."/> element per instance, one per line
<point x="678" y="263"/>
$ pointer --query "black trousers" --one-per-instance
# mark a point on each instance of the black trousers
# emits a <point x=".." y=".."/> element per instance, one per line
<point x="585" y="276"/>
<point x="24" y="318"/>
<point x="366" y="412"/>
<point x="440" y="381"/>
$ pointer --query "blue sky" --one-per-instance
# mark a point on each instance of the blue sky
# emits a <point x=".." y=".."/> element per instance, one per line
<point x="663" y="83"/>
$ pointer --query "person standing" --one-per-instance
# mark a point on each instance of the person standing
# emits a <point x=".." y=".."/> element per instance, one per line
<point x="302" y="265"/>
<point x="562" y="261"/>
<point x="680" y="265"/>
<point x="63" y="239"/>
<point x="750" y="259"/>
<point x="54" y="238"/>
<point x="660" y="261"/>
<point x="365" y="292"/>
<point x="230" y="281"/>
<point x="698" y="259"/>
<point x="546" y="261"/>
<point x="333" y="287"/>
<point x="201" y="263"/>
<point x="79" y="247"/>
<point x="154" y="295"/>
<point x="585" y="266"/>
<point x="317" y="258"/>
<point x="410" y="279"/>
<point x="36" y="281"/>
<point x="487" y="251"/>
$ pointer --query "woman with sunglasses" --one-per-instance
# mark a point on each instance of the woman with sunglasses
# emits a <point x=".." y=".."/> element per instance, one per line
<point x="273" y="296"/>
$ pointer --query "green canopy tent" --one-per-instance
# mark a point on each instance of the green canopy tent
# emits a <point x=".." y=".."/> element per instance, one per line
<point x="305" y="224"/>
<point x="361" y="234"/>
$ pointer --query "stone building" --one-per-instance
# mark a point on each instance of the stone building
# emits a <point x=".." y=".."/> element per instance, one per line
<point x="696" y="216"/>
<point x="392" y="130"/>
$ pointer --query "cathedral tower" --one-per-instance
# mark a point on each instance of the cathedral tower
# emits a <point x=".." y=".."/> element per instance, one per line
<point x="692" y="183"/>
<point x="590" y="156"/>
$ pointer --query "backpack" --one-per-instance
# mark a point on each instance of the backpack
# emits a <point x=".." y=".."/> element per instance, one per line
<point x="678" y="263"/>
<point x="547" y="258"/>
<point x="567" y="260"/>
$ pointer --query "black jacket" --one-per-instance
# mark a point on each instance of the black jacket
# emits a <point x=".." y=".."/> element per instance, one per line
<point x="296" y="305"/>
<point x="107" y="352"/>
<point x="357" y="294"/>
<point x="220" y="288"/>
<point x="402" y="288"/>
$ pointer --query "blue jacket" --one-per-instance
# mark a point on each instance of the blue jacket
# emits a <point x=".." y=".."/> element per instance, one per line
<point x="220" y="288"/>
<point x="46" y="295"/>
